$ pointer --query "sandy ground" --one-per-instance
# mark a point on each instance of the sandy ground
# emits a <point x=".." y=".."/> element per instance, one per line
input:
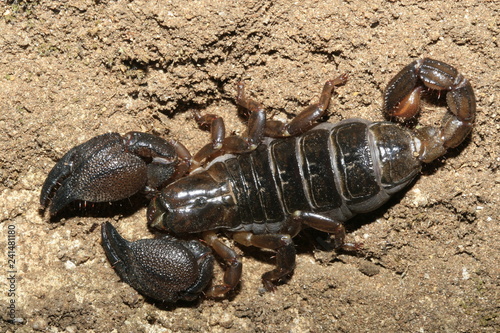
<point x="71" y="70"/>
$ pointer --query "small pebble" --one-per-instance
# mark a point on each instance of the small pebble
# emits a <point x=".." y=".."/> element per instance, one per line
<point x="369" y="269"/>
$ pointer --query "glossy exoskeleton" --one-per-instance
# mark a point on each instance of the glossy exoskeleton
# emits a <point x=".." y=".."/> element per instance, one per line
<point x="264" y="187"/>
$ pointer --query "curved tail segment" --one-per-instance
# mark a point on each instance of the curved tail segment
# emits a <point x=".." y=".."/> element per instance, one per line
<point x="402" y="100"/>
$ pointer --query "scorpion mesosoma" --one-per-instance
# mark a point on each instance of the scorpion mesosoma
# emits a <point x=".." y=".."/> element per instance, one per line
<point x="261" y="188"/>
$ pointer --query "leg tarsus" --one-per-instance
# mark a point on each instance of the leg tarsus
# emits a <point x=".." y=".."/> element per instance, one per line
<point x="247" y="103"/>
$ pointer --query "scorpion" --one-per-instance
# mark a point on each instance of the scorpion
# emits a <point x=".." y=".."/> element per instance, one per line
<point x="260" y="188"/>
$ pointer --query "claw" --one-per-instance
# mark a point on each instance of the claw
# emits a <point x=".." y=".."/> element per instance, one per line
<point x="109" y="167"/>
<point x="402" y="99"/>
<point x="165" y="269"/>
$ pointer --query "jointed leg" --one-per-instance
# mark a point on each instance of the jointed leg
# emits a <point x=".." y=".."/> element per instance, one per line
<point x="327" y="224"/>
<point x="231" y="144"/>
<point x="303" y="121"/>
<point x="232" y="275"/>
<point x="285" y="254"/>
<point x="257" y="124"/>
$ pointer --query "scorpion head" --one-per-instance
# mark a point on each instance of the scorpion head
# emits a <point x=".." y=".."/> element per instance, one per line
<point x="193" y="205"/>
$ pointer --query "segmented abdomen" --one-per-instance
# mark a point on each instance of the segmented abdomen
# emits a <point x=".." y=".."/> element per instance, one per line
<point x="334" y="169"/>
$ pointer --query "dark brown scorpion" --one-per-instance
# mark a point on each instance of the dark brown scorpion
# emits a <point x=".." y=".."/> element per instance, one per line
<point x="261" y="188"/>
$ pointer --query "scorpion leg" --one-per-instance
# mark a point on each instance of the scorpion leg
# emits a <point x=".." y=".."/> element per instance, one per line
<point x="326" y="224"/>
<point x="218" y="132"/>
<point x="283" y="245"/>
<point x="257" y="124"/>
<point x="232" y="275"/>
<point x="303" y="121"/>
<point x="402" y="99"/>
<point x="285" y="253"/>
<point x="166" y="269"/>
<point x="231" y="144"/>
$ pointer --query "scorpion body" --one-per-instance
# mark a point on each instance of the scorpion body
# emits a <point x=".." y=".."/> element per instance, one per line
<point x="338" y="170"/>
<point x="321" y="178"/>
<point x="263" y="187"/>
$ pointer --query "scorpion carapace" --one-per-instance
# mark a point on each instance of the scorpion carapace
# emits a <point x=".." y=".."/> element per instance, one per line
<point x="263" y="187"/>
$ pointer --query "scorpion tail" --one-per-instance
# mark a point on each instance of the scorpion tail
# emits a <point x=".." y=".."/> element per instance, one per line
<point x="402" y="99"/>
